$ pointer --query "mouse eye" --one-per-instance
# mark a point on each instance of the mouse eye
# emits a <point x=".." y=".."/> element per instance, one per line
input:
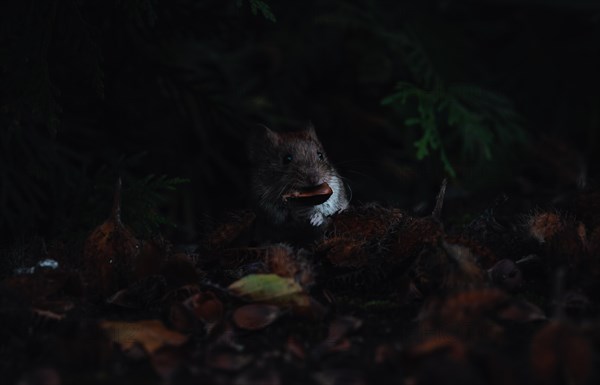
<point x="320" y="155"/>
<point x="287" y="158"/>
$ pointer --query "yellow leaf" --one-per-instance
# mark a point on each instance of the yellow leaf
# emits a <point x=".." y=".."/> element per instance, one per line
<point x="270" y="288"/>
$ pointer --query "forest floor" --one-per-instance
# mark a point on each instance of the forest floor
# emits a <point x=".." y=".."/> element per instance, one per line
<point x="505" y="297"/>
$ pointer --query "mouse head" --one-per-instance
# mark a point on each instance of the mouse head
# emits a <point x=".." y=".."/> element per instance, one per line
<point x="293" y="179"/>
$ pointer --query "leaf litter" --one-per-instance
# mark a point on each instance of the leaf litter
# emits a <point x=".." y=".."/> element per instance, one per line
<point x="382" y="297"/>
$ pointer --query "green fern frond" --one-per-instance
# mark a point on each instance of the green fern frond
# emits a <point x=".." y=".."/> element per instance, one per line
<point x="259" y="6"/>
<point x="142" y="199"/>
<point x="477" y="116"/>
<point x="469" y="116"/>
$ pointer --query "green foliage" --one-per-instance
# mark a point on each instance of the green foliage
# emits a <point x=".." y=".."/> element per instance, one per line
<point x="85" y="84"/>
<point x="53" y="84"/>
<point x="142" y="200"/>
<point x="478" y="121"/>
<point x="257" y="6"/>
<point x="43" y="185"/>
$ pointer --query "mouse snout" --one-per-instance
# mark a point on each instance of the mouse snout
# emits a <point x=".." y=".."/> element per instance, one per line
<point x="312" y="180"/>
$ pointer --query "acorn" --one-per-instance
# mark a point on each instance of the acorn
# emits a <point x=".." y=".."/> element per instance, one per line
<point x="506" y="274"/>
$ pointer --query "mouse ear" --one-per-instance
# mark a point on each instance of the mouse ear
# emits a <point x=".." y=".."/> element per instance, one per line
<point x="310" y="129"/>
<point x="272" y="136"/>
<point x="260" y="137"/>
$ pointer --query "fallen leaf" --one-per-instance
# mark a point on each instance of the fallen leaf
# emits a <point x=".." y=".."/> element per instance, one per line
<point x="167" y="360"/>
<point x="336" y="340"/>
<point x="140" y="294"/>
<point x="228" y="361"/>
<point x="43" y="284"/>
<point x="476" y="314"/>
<point x="439" y="344"/>
<point x="339" y="377"/>
<point x="181" y="318"/>
<point x="342" y="326"/>
<point x="255" y="316"/>
<point x="42" y="376"/>
<point x="180" y="294"/>
<point x="258" y="375"/>
<point x="226" y="336"/>
<point x="296" y="348"/>
<point x="521" y="311"/>
<point x="385" y="353"/>
<point x="205" y="306"/>
<point x="151" y="334"/>
<point x="270" y="288"/>
<point x="561" y="354"/>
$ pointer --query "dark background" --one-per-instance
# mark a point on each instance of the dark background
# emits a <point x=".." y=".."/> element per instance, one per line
<point x="500" y="96"/>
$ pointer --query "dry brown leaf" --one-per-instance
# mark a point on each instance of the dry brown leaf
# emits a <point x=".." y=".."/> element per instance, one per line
<point x="228" y="361"/>
<point x="339" y="377"/>
<point x="39" y="286"/>
<point x="167" y="360"/>
<point x="385" y="353"/>
<point x="336" y="340"/>
<point x="446" y="345"/>
<point x="151" y="334"/>
<point x="255" y="316"/>
<point x="296" y="348"/>
<point x="521" y="311"/>
<point x="561" y="354"/>
<point x="44" y="375"/>
<point x="141" y="294"/>
<point x="476" y="314"/>
<point x="181" y="318"/>
<point x="259" y="375"/>
<point x="181" y="294"/>
<point x="205" y="306"/>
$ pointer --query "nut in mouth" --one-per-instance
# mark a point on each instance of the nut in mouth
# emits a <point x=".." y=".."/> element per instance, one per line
<point x="310" y="196"/>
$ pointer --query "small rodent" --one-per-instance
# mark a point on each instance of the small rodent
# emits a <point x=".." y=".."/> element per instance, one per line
<point x="293" y="182"/>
